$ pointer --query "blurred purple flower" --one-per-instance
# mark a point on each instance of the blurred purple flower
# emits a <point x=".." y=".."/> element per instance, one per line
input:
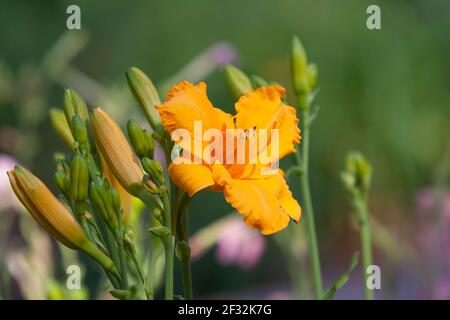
<point x="7" y="197"/>
<point x="223" y="53"/>
<point x="433" y="206"/>
<point x="238" y="245"/>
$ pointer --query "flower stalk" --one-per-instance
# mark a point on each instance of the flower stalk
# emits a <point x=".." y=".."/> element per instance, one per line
<point x="356" y="178"/>
<point x="304" y="79"/>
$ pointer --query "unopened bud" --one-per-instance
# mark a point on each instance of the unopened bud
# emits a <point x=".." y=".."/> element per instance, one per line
<point x="79" y="131"/>
<point x="238" y="83"/>
<point x="358" y="173"/>
<point x="183" y="251"/>
<point x="79" y="178"/>
<point x="146" y="94"/>
<point x="100" y="196"/>
<point x="74" y="105"/>
<point x="128" y="234"/>
<point x="157" y="213"/>
<point x="159" y="232"/>
<point x="141" y="141"/>
<point x="63" y="183"/>
<point x="258" y="82"/>
<point x="120" y="294"/>
<point x="153" y="168"/>
<point x="61" y="127"/>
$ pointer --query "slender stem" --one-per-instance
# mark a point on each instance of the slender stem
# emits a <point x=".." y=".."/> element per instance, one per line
<point x="307" y="206"/>
<point x="168" y="247"/>
<point x="360" y="204"/>
<point x="148" y="292"/>
<point x="186" y="260"/>
<point x="122" y="258"/>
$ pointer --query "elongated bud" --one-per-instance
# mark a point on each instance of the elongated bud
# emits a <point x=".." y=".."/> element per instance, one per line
<point x="153" y="168"/>
<point x="146" y="94"/>
<point x="159" y="232"/>
<point x="61" y="127"/>
<point x="150" y="186"/>
<point x="128" y="234"/>
<point x="299" y="63"/>
<point x="62" y="181"/>
<point x="102" y="201"/>
<point x="115" y="199"/>
<point x="141" y="141"/>
<point x="79" y="178"/>
<point x="238" y="83"/>
<point x="52" y="215"/>
<point x="304" y="75"/>
<point x="156" y="212"/>
<point x="116" y="151"/>
<point x="125" y="197"/>
<point x="182" y="251"/>
<point x="79" y="131"/>
<point x="74" y="105"/>
<point x="258" y="82"/>
<point x="312" y="75"/>
<point x="62" y="166"/>
<point x="120" y="294"/>
<point x="357" y="175"/>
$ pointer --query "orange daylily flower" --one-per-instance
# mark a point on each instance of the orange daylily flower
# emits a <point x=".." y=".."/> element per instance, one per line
<point x="265" y="200"/>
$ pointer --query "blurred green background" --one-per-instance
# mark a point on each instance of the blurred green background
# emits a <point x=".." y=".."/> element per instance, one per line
<point x="384" y="92"/>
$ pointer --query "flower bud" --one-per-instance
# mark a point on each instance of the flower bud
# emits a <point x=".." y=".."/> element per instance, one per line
<point x="74" y="105"/>
<point x="125" y="197"/>
<point x="298" y="63"/>
<point x="159" y="232"/>
<point x="61" y="127"/>
<point x="53" y="215"/>
<point x="128" y="234"/>
<point x="79" y="178"/>
<point x="157" y="213"/>
<point x="146" y="94"/>
<point x="63" y="183"/>
<point x="183" y="251"/>
<point x="312" y="75"/>
<point x="153" y="168"/>
<point x="258" y="82"/>
<point x="141" y="141"/>
<point x="238" y="83"/>
<point x="116" y="151"/>
<point x="101" y="199"/>
<point x="62" y="166"/>
<point x="79" y="131"/>
<point x="120" y="294"/>
<point x="358" y="173"/>
<point x="150" y="186"/>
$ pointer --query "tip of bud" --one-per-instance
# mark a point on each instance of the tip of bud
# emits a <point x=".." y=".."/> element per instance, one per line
<point x="145" y="93"/>
<point x="237" y="81"/>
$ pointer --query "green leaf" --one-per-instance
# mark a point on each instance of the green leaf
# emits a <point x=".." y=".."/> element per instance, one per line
<point x="342" y="280"/>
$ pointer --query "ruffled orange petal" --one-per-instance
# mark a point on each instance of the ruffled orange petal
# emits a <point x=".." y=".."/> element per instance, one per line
<point x="191" y="177"/>
<point x="188" y="103"/>
<point x="263" y="109"/>
<point x="265" y="203"/>
<point x="287" y="201"/>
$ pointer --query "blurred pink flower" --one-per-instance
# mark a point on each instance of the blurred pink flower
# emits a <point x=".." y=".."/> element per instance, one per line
<point x="433" y="206"/>
<point x="238" y="245"/>
<point x="223" y="53"/>
<point x="7" y="197"/>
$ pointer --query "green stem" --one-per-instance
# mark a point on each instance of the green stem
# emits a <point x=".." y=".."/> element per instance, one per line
<point x="168" y="247"/>
<point x="186" y="261"/>
<point x="307" y="205"/>
<point x="360" y="204"/>
<point x="122" y="258"/>
<point x="148" y="292"/>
